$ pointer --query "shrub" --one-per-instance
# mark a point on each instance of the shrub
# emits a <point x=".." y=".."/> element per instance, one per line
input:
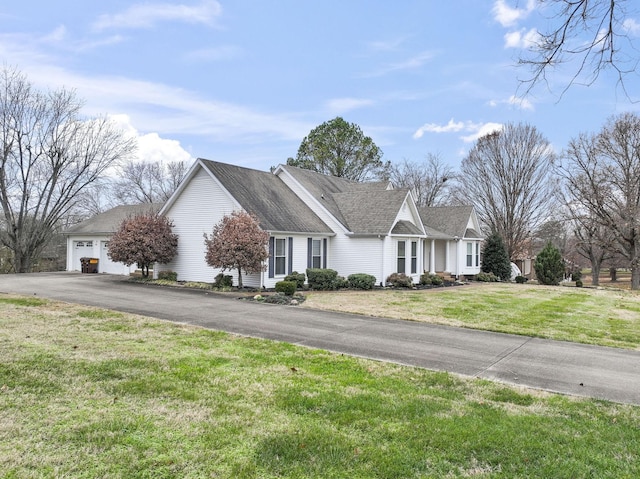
<point x="427" y="279"/>
<point x="340" y="282"/>
<point x="400" y="280"/>
<point x="486" y="277"/>
<point x="361" y="281"/>
<point x="520" y="279"/>
<point x="223" y="281"/>
<point x="299" y="279"/>
<point x="576" y="275"/>
<point x="286" y="287"/>
<point x="549" y="265"/>
<point x="579" y="283"/>
<point x="168" y="275"/>
<point x="322" y="279"/>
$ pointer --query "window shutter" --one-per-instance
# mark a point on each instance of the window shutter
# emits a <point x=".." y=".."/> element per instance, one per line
<point x="324" y="253"/>
<point x="271" y="257"/>
<point x="290" y="265"/>
<point x="309" y="252"/>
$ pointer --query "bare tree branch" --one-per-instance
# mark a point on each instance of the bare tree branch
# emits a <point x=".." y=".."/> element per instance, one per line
<point x="588" y="34"/>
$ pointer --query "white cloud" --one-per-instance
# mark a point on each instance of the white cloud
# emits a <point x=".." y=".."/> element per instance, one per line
<point x="452" y="126"/>
<point x="508" y="16"/>
<point x="146" y="15"/>
<point x="338" y="106"/>
<point x="411" y="63"/>
<point x="151" y="147"/>
<point x="153" y="107"/>
<point x="481" y="130"/>
<point x="631" y="26"/>
<point x="521" y="38"/>
<point x="476" y="129"/>
<point x="520" y="103"/>
<point x="386" y="45"/>
<point x="57" y="35"/>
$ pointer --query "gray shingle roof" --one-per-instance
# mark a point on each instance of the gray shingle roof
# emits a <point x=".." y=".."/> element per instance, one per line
<point x="363" y="208"/>
<point x="450" y="220"/>
<point x="108" y="222"/>
<point x="403" y="227"/>
<point x="370" y="211"/>
<point x="265" y="195"/>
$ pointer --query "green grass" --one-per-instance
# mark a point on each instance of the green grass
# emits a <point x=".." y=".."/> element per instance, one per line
<point x="90" y="393"/>
<point x="601" y="317"/>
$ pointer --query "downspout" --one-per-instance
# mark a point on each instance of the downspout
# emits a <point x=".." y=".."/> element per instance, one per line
<point x="382" y="262"/>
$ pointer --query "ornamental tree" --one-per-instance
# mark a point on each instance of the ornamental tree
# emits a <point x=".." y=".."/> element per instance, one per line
<point x="144" y="239"/>
<point x="237" y="243"/>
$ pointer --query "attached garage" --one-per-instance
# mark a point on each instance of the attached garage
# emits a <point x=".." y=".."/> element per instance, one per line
<point x="80" y="249"/>
<point x="108" y="266"/>
<point x="90" y="239"/>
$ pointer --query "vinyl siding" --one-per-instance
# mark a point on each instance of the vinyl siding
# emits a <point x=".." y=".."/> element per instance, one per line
<point x="356" y="255"/>
<point x="201" y="205"/>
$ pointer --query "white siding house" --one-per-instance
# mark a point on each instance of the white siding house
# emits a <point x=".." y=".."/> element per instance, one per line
<point x="313" y="220"/>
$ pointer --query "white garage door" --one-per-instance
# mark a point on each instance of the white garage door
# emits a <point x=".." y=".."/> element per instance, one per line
<point x="81" y="249"/>
<point x="106" y="265"/>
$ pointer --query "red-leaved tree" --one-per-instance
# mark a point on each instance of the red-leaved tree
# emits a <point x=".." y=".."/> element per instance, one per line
<point x="144" y="239"/>
<point x="237" y="242"/>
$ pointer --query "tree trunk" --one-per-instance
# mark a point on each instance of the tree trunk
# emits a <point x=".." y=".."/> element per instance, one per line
<point x="21" y="263"/>
<point x="239" y="278"/>
<point x="613" y="272"/>
<point x="635" y="277"/>
<point x="595" y="272"/>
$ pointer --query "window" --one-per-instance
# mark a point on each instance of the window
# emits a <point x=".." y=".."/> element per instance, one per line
<point x="477" y="254"/>
<point x="469" y="254"/>
<point x="402" y="256"/>
<point x="414" y="257"/>
<point x="280" y="256"/>
<point x="316" y="253"/>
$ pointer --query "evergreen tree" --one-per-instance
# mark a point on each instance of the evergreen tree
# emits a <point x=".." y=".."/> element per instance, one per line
<point x="495" y="258"/>
<point x="549" y="265"/>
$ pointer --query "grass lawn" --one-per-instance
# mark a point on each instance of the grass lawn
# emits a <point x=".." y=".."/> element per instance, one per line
<point x="604" y="317"/>
<point x="90" y="393"/>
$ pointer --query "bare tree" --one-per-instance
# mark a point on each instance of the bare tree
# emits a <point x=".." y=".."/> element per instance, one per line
<point x="429" y="181"/>
<point x="590" y="33"/>
<point x="48" y="155"/>
<point x="507" y="177"/>
<point x="602" y="175"/>
<point x="148" y="182"/>
<point x="593" y="243"/>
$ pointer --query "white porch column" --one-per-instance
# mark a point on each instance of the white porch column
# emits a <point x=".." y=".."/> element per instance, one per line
<point x="447" y="259"/>
<point x="432" y="257"/>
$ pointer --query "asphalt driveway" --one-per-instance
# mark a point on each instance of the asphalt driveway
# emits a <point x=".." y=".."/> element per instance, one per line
<point x="569" y="368"/>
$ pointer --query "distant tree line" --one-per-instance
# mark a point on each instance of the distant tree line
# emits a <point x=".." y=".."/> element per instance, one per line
<point x="57" y="167"/>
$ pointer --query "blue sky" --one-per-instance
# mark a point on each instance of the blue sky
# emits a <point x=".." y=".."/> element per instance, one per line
<point x="244" y="81"/>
